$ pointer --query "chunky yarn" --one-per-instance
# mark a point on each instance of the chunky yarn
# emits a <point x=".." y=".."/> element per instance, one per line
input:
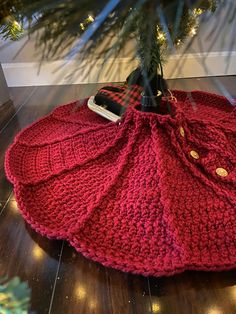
<point x="151" y="194"/>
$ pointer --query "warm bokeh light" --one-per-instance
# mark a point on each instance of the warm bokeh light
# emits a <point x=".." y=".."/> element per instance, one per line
<point x="92" y="304"/>
<point x="14" y="206"/>
<point x="80" y="292"/>
<point x="214" y="310"/>
<point x="155" y="307"/>
<point x="37" y="252"/>
<point x="233" y="292"/>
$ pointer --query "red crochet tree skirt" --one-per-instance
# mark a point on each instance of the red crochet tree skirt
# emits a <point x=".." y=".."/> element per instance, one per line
<point x="151" y="194"/>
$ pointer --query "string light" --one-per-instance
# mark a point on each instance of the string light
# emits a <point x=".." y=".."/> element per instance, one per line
<point x="16" y="25"/>
<point x="15" y="29"/>
<point x="161" y="36"/>
<point x="193" y="31"/>
<point x="90" y="19"/>
<point x="178" y="42"/>
<point x="86" y="22"/>
<point x="82" y="26"/>
<point x="197" y="11"/>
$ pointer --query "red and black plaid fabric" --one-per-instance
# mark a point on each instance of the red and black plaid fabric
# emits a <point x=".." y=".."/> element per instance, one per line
<point x="123" y="95"/>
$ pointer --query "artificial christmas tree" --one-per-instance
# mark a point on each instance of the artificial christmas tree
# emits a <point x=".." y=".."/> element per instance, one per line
<point x="156" y="26"/>
<point x="152" y="193"/>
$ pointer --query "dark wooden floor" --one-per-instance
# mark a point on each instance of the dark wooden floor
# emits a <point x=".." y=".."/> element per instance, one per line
<point x="63" y="281"/>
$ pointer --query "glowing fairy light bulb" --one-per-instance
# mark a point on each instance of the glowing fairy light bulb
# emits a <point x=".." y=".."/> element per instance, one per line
<point x="178" y="42"/>
<point x="90" y="19"/>
<point x="197" y="11"/>
<point x="193" y="31"/>
<point x="82" y="26"/>
<point x="16" y="25"/>
<point x="161" y="36"/>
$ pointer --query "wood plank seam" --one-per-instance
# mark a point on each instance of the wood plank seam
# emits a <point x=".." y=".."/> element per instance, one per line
<point x="5" y="205"/>
<point x="55" y="280"/>
<point x="20" y="107"/>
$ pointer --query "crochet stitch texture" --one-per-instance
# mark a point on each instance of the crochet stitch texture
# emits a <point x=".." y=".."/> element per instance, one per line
<point x="132" y="195"/>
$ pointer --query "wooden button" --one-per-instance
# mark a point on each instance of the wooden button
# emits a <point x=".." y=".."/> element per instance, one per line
<point x="194" y="154"/>
<point x="221" y="172"/>
<point x="181" y="131"/>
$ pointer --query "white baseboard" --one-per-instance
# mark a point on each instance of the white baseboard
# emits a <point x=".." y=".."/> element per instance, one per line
<point x="64" y="73"/>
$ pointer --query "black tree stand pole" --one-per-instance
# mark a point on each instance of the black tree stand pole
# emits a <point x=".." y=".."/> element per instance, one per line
<point x="153" y="91"/>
